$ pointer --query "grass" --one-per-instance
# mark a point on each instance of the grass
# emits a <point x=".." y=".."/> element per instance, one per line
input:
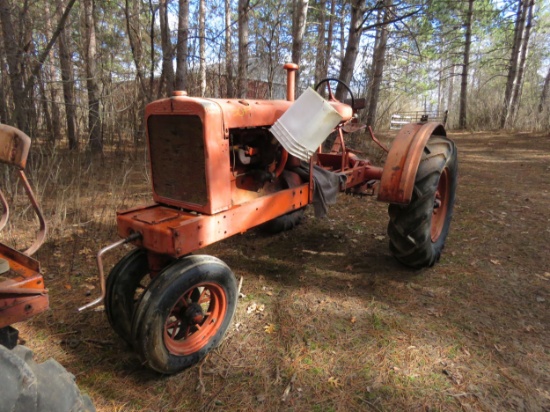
<point x="352" y="329"/>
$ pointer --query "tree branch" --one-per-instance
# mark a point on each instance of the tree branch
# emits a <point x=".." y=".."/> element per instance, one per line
<point x="44" y="55"/>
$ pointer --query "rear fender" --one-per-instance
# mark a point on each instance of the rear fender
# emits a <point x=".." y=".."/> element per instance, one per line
<point x="399" y="173"/>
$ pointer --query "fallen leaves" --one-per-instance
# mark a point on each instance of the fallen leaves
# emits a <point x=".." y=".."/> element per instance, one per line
<point x="335" y="382"/>
<point x="270" y="328"/>
<point x="255" y="308"/>
<point x="85" y="251"/>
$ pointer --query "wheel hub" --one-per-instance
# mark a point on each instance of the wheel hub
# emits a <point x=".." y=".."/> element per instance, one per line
<point x="193" y="314"/>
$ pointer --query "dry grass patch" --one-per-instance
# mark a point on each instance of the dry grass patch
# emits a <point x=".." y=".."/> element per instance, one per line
<point x="328" y="321"/>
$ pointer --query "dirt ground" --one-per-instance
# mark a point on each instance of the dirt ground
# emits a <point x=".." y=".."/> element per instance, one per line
<point x="328" y="321"/>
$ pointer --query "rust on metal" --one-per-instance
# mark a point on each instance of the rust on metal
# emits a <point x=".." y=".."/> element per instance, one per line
<point x="398" y="176"/>
<point x="14" y="146"/>
<point x="290" y="80"/>
<point x="99" y="261"/>
<point x="22" y="291"/>
<point x="378" y="142"/>
<point x="14" y="150"/>
<point x="41" y="235"/>
<point x="5" y="210"/>
<point x="190" y="231"/>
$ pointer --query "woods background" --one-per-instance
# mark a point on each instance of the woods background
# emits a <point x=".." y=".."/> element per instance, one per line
<point x="79" y="73"/>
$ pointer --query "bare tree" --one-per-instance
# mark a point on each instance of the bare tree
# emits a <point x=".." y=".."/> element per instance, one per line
<point x="544" y="93"/>
<point x="14" y="56"/>
<point x="516" y="95"/>
<point x="136" y="44"/>
<point x="4" y="111"/>
<point x="324" y="39"/>
<point x="202" y="47"/>
<point x="67" y="78"/>
<point x="55" y="131"/>
<point x="462" y="120"/>
<point x="378" y="62"/>
<point x="228" y="51"/>
<point x="182" y="45"/>
<point x="167" y="50"/>
<point x="299" y="19"/>
<point x="358" y="9"/>
<point x="242" y="73"/>
<point x="519" y="47"/>
<point x="95" y="141"/>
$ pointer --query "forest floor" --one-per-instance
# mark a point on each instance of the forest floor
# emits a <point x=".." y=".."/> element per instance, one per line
<point x="328" y="320"/>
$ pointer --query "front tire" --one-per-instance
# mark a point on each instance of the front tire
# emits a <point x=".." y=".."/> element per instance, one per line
<point x="184" y="313"/>
<point x="125" y="284"/>
<point x="418" y="230"/>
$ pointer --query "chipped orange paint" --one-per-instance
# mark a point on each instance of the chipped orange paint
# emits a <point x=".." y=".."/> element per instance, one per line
<point x="399" y="173"/>
<point x="177" y="233"/>
<point x="22" y="291"/>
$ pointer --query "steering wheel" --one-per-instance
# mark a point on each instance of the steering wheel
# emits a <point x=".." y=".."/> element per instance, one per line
<point x="330" y="94"/>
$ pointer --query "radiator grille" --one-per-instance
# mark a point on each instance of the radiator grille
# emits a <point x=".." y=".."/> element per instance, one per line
<point x="177" y="158"/>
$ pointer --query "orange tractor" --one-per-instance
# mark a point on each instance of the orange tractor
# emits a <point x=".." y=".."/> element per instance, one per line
<point x="218" y="169"/>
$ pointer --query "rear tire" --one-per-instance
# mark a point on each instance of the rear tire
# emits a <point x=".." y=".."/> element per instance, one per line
<point x="284" y="222"/>
<point x="37" y="387"/>
<point x="418" y="230"/>
<point x="292" y="219"/>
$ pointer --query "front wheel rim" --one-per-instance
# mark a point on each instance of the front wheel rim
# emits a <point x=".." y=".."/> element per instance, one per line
<point x="441" y="205"/>
<point x="195" y="318"/>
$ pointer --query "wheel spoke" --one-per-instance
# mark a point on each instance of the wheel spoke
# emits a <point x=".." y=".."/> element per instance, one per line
<point x="181" y="303"/>
<point x="203" y="298"/>
<point x="172" y="324"/>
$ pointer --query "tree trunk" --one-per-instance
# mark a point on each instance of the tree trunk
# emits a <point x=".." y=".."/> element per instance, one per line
<point x="516" y="95"/>
<point x="451" y="84"/>
<point x="95" y="140"/>
<point x="228" y="51"/>
<point x="202" y="48"/>
<point x="136" y="46"/>
<point x="4" y="112"/>
<point x="298" y="28"/>
<point x="182" y="46"/>
<point x="330" y="37"/>
<point x="167" y="51"/>
<point x="34" y="65"/>
<point x="14" y="56"/>
<point x="378" y="62"/>
<point x="50" y="138"/>
<point x="511" y="79"/>
<point x="462" y="120"/>
<point x="153" y="60"/>
<point x="544" y="93"/>
<point x="440" y="85"/>
<point x="321" y="41"/>
<point x="242" y="76"/>
<point x="352" y="46"/>
<point x="67" y="78"/>
<point x="56" y="117"/>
